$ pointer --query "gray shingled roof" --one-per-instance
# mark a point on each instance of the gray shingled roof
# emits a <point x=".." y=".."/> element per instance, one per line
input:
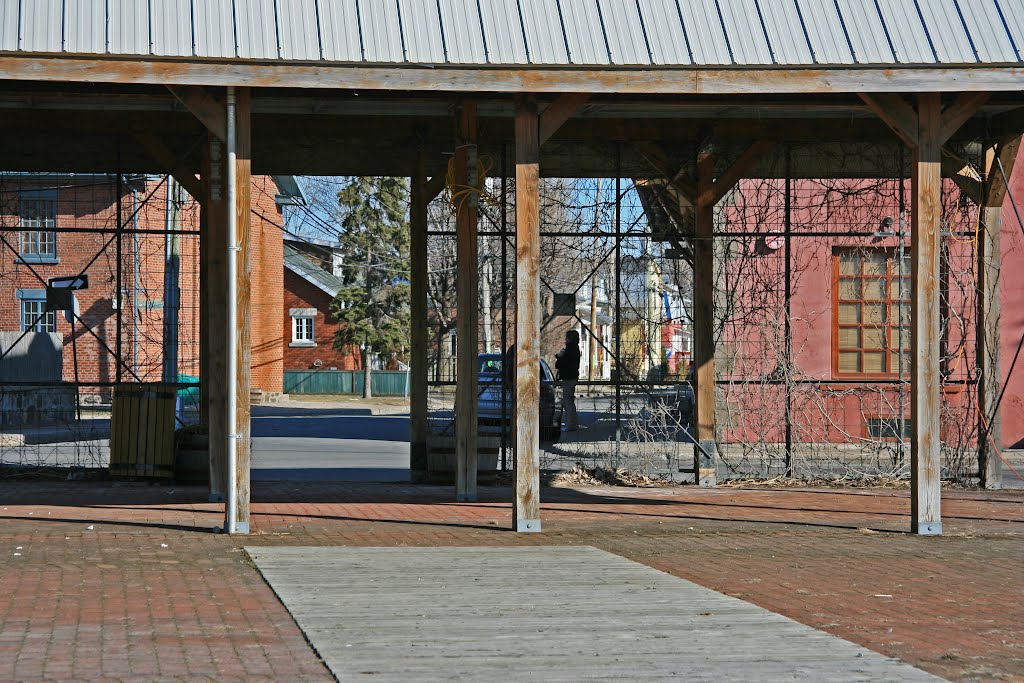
<point x="309" y="271"/>
<point x="677" y="33"/>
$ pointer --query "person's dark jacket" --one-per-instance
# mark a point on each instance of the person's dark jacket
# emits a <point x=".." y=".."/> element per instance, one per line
<point x="567" y="366"/>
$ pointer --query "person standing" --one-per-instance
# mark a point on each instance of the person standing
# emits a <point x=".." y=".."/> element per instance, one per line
<point x="567" y="369"/>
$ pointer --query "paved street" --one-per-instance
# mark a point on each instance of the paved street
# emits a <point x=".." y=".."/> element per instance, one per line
<point x="295" y="443"/>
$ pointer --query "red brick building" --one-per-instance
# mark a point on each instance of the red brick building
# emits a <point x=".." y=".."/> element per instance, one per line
<point x="59" y="225"/>
<point x="850" y="314"/>
<point x="309" y="327"/>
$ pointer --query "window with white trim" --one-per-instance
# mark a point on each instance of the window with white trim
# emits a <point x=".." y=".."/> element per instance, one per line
<point x="302" y="329"/>
<point x="303" y="326"/>
<point x="38" y="240"/>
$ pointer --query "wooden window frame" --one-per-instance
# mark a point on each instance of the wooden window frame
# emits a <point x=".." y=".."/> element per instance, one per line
<point x="892" y="254"/>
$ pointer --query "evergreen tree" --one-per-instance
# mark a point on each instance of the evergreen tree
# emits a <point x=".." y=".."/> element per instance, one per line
<point x="373" y="304"/>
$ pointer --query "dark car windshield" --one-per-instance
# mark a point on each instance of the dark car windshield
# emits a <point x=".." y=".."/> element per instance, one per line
<point x="491" y="364"/>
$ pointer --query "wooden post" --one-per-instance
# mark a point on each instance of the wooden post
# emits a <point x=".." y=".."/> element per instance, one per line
<point x="706" y="450"/>
<point x="213" y="313"/>
<point x="467" y="262"/>
<point x="990" y="471"/>
<point x="243" y="325"/>
<point x="527" y="388"/>
<point x="418" y="318"/>
<point x="998" y="159"/>
<point x="925" y="386"/>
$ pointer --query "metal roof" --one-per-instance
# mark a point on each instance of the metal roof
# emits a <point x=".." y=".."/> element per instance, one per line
<point x="681" y="33"/>
<point x="309" y="271"/>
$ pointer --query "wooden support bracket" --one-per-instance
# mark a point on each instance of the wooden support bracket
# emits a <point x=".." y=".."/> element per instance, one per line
<point x="206" y="107"/>
<point x="995" y="183"/>
<point x="957" y="114"/>
<point x="656" y="157"/>
<point x="169" y="163"/>
<point x="902" y="118"/>
<point x="433" y="188"/>
<point x="896" y="113"/>
<point x="712" y="194"/>
<point x="954" y="169"/>
<point x="558" y="112"/>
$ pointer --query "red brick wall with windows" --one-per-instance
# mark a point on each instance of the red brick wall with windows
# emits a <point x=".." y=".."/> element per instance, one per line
<point x="91" y="202"/>
<point x="299" y="293"/>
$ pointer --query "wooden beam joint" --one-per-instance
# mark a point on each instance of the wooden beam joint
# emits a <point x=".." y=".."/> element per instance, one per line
<point x="560" y="111"/>
<point x="205" y="106"/>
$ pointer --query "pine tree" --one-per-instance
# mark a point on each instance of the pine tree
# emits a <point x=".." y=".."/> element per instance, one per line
<point x="373" y="304"/>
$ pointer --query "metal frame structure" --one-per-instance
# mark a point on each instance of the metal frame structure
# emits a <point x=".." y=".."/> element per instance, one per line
<point x="308" y="117"/>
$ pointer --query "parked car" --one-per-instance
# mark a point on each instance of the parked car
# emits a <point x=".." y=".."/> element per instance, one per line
<point x="493" y="393"/>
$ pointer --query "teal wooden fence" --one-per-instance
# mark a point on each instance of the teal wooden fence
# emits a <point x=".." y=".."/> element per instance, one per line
<point x="384" y="382"/>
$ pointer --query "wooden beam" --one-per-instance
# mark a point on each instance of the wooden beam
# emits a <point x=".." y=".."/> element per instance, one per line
<point x="990" y="471"/>
<point x="204" y="106"/>
<point x="413" y="77"/>
<point x="213" y="251"/>
<point x="925" y="379"/>
<point x="558" y="112"/>
<point x="954" y="169"/>
<point x="528" y="314"/>
<point x="706" y="448"/>
<point x="732" y="175"/>
<point x="1001" y="160"/>
<point x="243" y="324"/>
<point x="419" y="341"/>
<point x="958" y="113"/>
<point x="658" y="159"/>
<point x="434" y="187"/>
<point x="169" y="163"/>
<point x="896" y="113"/>
<point x="468" y="305"/>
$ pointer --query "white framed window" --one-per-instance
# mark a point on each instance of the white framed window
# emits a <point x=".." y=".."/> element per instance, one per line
<point x="38" y="240"/>
<point x="36" y="318"/>
<point x="302" y="330"/>
<point x="303" y="326"/>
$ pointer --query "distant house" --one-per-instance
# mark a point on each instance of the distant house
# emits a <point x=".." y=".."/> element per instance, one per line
<point x="310" y="284"/>
<point x="655" y="342"/>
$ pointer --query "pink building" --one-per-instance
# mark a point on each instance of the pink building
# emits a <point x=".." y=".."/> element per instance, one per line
<point x="849" y="314"/>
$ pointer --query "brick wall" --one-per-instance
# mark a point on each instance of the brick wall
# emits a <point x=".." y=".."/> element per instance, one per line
<point x="83" y="203"/>
<point x="299" y="293"/>
<point x="267" y="278"/>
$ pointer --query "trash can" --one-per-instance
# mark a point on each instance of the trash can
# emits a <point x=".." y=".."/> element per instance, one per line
<point x="142" y="430"/>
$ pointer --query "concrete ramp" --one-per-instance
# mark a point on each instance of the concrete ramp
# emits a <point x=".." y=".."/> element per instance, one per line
<point x="542" y="614"/>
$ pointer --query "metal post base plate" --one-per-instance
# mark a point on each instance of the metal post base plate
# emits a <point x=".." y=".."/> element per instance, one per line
<point x="928" y="529"/>
<point x="528" y="525"/>
<point x="706" y="457"/>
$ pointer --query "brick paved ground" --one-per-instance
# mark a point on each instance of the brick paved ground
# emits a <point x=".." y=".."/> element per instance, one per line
<point x="148" y="593"/>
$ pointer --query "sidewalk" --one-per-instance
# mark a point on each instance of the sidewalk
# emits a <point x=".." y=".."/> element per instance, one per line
<point x="100" y="580"/>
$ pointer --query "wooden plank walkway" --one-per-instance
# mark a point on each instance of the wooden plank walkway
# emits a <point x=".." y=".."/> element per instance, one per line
<point x="542" y="613"/>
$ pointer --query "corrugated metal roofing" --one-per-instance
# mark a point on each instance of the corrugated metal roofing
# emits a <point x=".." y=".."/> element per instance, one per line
<point x="528" y="32"/>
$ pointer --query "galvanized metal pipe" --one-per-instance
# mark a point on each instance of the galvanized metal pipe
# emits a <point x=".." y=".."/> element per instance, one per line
<point x="231" y="507"/>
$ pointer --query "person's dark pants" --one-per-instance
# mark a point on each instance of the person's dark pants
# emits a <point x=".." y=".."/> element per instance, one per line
<point x="569" y="404"/>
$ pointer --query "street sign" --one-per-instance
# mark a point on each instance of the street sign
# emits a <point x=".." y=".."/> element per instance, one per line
<point x="69" y="282"/>
<point x="60" y="291"/>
